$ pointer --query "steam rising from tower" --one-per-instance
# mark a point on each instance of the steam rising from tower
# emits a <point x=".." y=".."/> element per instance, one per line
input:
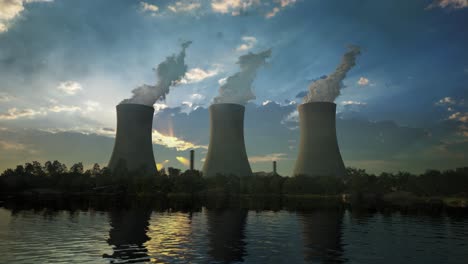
<point x="226" y="152"/>
<point x="238" y="87"/>
<point x="169" y="72"/>
<point x="319" y="154"/>
<point x="133" y="147"/>
<point x="329" y="88"/>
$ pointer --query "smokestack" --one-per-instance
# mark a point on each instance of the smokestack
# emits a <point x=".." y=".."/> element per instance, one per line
<point x="192" y="156"/>
<point x="274" y="167"/>
<point x="226" y="152"/>
<point x="133" y="145"/>
<point x="319" y="154"/>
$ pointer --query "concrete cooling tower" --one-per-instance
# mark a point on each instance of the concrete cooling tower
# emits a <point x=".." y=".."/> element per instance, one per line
<point x="319" y="154"/>
<point x="133" y="145"/>
<point x="226" y="152"/>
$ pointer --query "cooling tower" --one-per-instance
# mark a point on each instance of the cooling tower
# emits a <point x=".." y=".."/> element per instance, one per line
<point x="319" y="154"/>
<point x="133" y="145"/>
<point x="226" y="152"/>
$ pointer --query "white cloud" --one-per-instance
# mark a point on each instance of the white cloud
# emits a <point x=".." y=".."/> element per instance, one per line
<point x="171" y="141"/>
<point x="10" y="9"/>
<point x="353" y="103"/>
<point x="363" y="81"/>
<point x="222" y="81"/>
<point x="234" y="7"/>
<point x="149" y="7"/>
<point x="184" y="6"/>
<point x="273" y="12"/>
<point x="458" y="116"/>
<point x="14" y="113"/>
<point x="446" y="101"/>
<point x="160" y="106"/>
<point x="455" y="4"/>
<point x="4" y="97"/>
<point x="249" y="43"/>
<point x="291" y="117"/>
<point x="91" y="106"/>
<point x="197" y="75"/>
<point x="64" y="108"/>
<point x="3" y="27"/>
<point x="268" y="158"/>
<point x="69" y="87"/>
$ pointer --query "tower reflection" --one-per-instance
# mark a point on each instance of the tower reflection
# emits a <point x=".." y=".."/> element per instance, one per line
<point x="128" y="234"/>
<point x="322" y="236"/>
<point x="226" y="234"/>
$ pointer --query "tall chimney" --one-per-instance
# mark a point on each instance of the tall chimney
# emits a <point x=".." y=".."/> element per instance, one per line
<point x="226" y="152"/>
<point x="319" y="154"/>
<point x="274" y="167"/>
<point x="133" y="145"/>
<point x="192" y="156"/>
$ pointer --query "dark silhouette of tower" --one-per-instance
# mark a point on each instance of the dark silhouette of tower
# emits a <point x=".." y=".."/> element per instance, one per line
<point x="192" y="157"/>
<point x="319" y="154"/>
<point x="226" y="152"/>
<point x="128" y="234"/>
<point x="322" y="233"/>
<point x="133" y="146"/>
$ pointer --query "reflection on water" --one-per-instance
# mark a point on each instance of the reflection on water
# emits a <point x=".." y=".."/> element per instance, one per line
<point x="322" y="236"/>
<point x="229" y="236"/>
<point x="127" y="235"/>
<point x="226" y="234"/>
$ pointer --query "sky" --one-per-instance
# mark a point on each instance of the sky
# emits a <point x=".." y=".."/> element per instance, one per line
<point x="66" y="64"/>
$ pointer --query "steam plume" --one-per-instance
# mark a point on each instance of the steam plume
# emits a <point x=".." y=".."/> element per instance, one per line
<point x="169" y="72"/>
<point x="328" y="89"/>
<point x="238" y="87"/>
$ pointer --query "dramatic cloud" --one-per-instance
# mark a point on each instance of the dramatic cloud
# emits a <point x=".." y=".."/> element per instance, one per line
<point x="268" y="158"/>
<point x="170" y="72"/>
<point x="174" y="142"/>
<point x="363" y="81"/>
<point x="184" y="161"/>
<point x="69" y="87"/>
<point x="184" y="6"/>
<point x="328" y="89"/>
<point x="248" y="43"/>
<point x="162" y="164"/>
<point x="238" y="88"/>
<point x="455" y="4"/>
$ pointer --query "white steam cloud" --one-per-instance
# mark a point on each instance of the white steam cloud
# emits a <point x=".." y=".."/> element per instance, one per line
<point x="328" y="89"/>
<point x="237" y="89"/>
<point x="169" y="73"/>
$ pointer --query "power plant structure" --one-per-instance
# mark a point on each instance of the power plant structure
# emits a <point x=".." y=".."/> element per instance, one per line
<point x="319" y="154"/>
<point x="133" y="146"/>
<point x="226" y="152"/>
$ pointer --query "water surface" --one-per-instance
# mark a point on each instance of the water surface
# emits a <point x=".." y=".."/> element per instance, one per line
<point x="230" y="236"/>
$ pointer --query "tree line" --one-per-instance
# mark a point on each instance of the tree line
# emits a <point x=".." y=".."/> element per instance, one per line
<point x="53" y="175"/>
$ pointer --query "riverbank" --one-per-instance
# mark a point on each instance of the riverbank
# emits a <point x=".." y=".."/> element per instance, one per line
<point x="184" y="201"/>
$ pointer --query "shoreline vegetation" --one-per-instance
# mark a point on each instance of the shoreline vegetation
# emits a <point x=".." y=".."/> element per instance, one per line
<point x="35" y="184"/>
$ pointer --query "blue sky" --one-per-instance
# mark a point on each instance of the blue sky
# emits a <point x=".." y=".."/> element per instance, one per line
<point x="65" y="64"/>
